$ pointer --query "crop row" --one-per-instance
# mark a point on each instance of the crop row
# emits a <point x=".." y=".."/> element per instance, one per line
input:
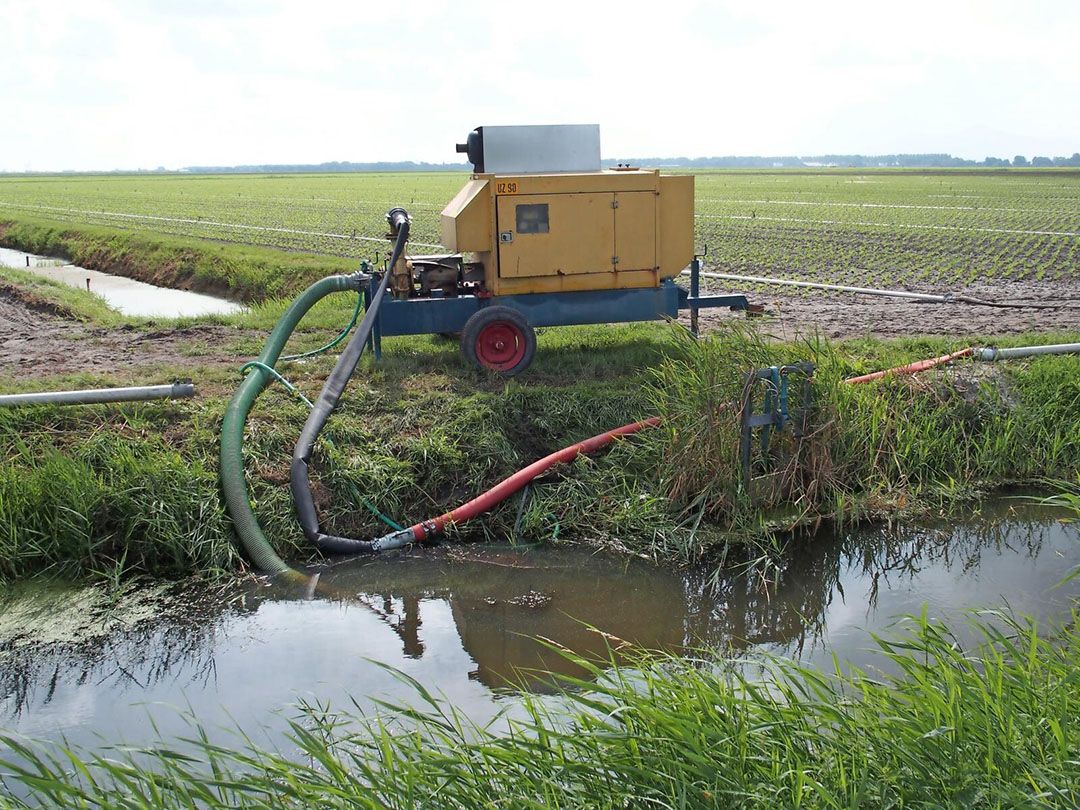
<point x="925" y="231"/>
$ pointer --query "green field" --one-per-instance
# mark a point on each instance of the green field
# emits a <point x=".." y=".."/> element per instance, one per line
<point x="900" y="227"/>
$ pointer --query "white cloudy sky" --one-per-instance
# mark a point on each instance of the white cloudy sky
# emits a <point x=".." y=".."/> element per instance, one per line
<point x="97" y="84"/>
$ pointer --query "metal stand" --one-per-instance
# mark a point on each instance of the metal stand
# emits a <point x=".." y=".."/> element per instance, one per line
<point x="776" y="413"/>
<point x="695" y="289"/>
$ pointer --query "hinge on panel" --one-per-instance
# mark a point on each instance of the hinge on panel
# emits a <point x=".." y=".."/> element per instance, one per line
<point x="614" y="259"/>
<point x="614" y="203"/>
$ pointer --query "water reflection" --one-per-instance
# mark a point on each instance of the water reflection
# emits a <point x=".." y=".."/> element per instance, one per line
<point x="465" y="621"/>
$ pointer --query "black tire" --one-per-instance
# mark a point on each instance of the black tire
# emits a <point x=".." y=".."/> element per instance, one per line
<point x="498" y="339"/>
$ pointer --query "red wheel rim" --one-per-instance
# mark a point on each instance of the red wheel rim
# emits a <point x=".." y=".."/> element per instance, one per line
<point x="500" y="345"/>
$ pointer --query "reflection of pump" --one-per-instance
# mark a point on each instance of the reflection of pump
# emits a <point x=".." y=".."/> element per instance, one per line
<point x="503" y="600"/>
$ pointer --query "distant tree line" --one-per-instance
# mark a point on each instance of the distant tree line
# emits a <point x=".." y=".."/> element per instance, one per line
<point x="331" y="166"/>
<point x="925" y="161"/>
<point x="920" y="161"/>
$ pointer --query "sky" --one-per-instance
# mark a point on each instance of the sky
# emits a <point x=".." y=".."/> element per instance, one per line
<point x="124" y="84"/>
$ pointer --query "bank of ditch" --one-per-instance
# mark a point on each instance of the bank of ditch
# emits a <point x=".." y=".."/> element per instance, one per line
<point x="109" y="491"/>
<point x="243" y="273"/>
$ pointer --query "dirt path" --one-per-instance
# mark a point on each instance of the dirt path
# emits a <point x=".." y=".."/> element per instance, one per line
<point x="38" y="339"/>
<point x="842" y="315"/>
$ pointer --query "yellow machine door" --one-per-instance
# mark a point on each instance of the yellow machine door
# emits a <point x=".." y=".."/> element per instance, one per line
<point x="555" y="234"/>
<point x="635" y="230"/>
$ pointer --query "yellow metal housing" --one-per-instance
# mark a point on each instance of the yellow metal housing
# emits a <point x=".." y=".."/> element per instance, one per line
<point x="568" y="232"/>
<point x="466" y="221"/>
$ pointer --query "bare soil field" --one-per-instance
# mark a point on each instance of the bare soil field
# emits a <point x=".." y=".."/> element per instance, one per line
<point x="39" y="339"/>
<point x="842" y="315"/>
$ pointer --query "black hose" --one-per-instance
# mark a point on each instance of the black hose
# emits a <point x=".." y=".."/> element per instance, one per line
<point x="332" y="390"/>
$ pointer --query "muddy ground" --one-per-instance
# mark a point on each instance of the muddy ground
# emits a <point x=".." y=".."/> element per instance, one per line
<point x="39" y="339"/>
<point x="842" y="315"/>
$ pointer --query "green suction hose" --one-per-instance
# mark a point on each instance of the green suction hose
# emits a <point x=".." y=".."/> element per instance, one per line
<point x="233" y="483"/>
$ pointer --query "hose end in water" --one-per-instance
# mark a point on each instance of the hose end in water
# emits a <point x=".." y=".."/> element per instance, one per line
<point x="398" y="539"/>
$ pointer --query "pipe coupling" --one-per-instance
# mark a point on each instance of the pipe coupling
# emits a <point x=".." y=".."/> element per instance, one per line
<point x="398" y="539"/>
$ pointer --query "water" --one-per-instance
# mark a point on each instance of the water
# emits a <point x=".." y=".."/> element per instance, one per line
<point x="130" y="297"/>
<point x="464" y="619"/>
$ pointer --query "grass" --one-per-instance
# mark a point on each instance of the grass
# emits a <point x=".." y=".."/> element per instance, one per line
<point x="54" y="297"/>
<point x="106" y="494"/>
<point x="990" y="725"/>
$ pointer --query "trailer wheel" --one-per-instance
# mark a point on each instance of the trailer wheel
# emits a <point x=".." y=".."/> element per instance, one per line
<point x="500" y="339"/>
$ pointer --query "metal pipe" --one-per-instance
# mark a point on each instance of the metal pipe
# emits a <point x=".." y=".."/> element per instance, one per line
<point x="947" y="298"/>
<point x="990" y="354"/>
<point x="95" y="395"/>
<point x="695" y="292"/>
<point x="815" y="285"/>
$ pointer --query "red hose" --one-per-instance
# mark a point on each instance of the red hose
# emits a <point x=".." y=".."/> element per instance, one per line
<point x="912" y="368"/>
<point x="516" y="482"/>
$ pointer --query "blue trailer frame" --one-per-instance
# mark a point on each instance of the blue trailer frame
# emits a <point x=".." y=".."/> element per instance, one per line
<point x="441" y="315"/>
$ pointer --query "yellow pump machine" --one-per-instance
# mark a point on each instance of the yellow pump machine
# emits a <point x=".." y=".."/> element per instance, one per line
<point x="541" y="235"/>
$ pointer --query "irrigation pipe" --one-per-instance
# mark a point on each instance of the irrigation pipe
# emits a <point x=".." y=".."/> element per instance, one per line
<point x="341" y="335"/>
<point x="911" y="368"/>
<point x="930" y="298"/>
<point x="93" y="396"/>
<point x="985" y="355"/>
<point x="990" y="354"/>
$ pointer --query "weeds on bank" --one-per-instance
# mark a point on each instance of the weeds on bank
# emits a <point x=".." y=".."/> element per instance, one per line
<point x="84" y="490"/>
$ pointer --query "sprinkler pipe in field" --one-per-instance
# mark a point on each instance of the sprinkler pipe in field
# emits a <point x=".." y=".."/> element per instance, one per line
<point x="930" y="298"/>
<point x="990" y="354"/>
